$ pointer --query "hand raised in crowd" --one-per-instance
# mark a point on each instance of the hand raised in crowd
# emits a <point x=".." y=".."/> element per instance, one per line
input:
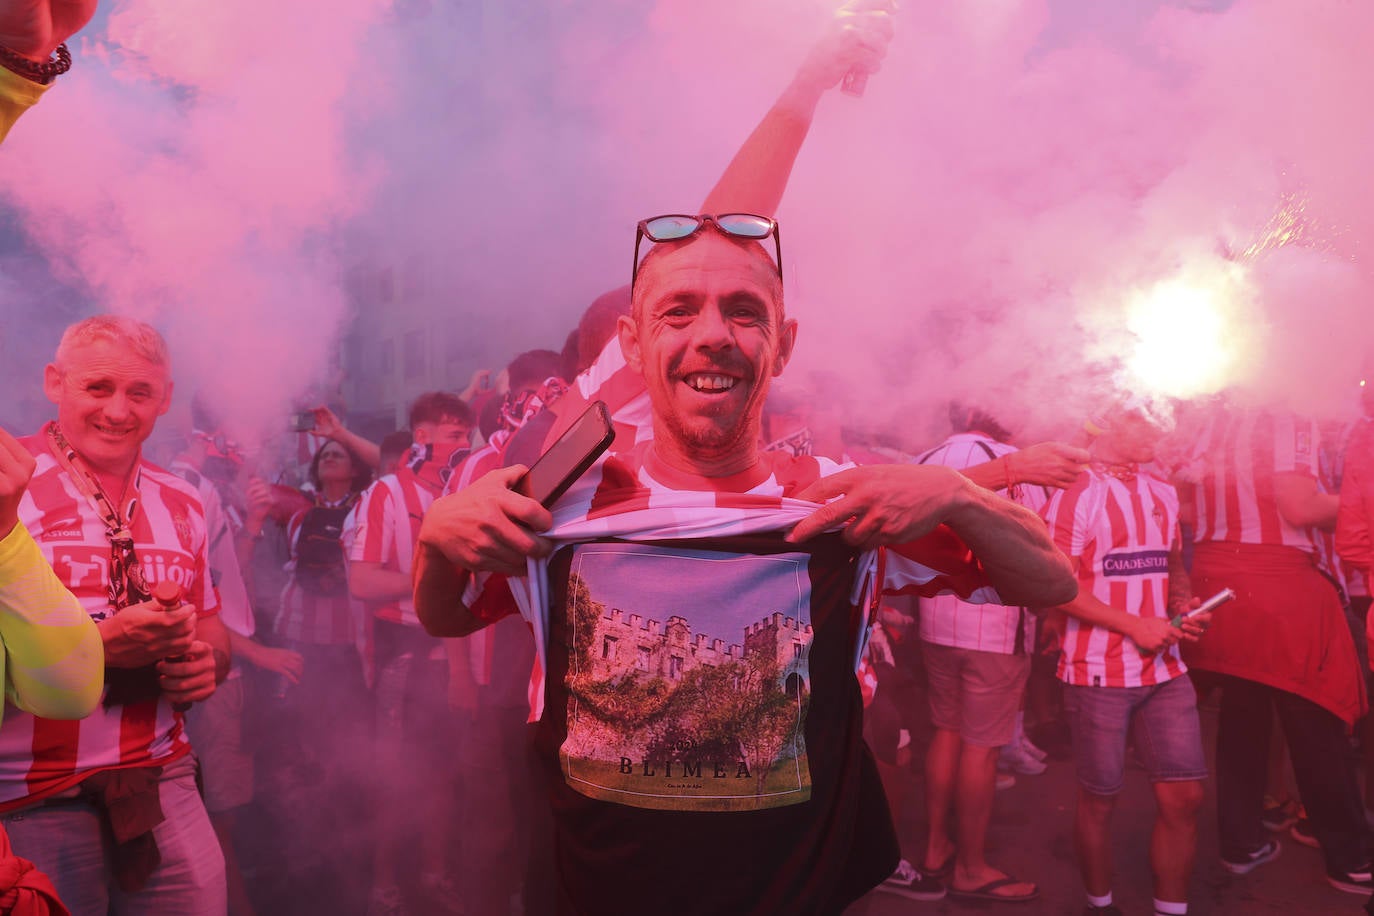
<point x="148" y="632"/>
<point x="481" y="381"/>
<point x="856" y="40"/>
<point x="34" y="28"/>
<point x="327" y="423"/>
<point x="1048" y="464"/>
<point x="883" y="504"/>
<point x="190" y="676"/>
<point x="16" y="468"/>
<point x="488" y="526"/>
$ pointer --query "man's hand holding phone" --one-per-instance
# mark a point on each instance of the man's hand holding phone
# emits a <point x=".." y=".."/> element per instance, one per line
<point x="488" y="527"/>
<point x="492" y="525"/>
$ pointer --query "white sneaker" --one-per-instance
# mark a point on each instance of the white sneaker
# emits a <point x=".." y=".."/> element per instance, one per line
<point x="1253" y="860"/>
<point x="1015" y="759"/>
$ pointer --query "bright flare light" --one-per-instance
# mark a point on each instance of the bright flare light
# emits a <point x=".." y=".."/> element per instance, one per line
<point x="1187" y="339"/>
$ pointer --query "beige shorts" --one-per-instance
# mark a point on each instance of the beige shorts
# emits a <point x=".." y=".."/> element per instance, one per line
<point x="215" y="727"/>
<point x="976" y="694"/>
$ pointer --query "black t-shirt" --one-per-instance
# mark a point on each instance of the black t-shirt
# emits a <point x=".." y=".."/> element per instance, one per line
<point x="702" y="729"/>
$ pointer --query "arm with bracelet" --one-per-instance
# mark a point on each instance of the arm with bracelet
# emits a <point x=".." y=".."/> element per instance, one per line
<point x="33" y="50"/>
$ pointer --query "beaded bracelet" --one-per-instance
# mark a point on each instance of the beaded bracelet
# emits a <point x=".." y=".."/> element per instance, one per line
<point x="43" y="73"/>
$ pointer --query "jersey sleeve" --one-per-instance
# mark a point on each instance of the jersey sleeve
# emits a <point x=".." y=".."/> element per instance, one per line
<point x="17" y="95"/>
<point x="1295" y="445"/>
<point x="372" y="535"/>
<point x="939" y="563"/>
<point x="53" y="662"/>
<point x="203" y="593"/>
<point x="225" y="573"/>
<point x="1353" y="541"/>
<point x="488" y="596"/>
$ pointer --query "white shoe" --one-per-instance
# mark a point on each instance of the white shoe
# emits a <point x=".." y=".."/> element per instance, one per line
<point x="1032" y="751"/>
<point x="1015" y="759"/>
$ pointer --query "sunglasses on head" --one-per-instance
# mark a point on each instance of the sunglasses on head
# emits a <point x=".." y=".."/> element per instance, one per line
<point x="674" y="227"/>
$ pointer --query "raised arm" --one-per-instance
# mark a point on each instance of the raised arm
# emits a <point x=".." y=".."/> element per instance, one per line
<point x="754" y="180"/>
<point x="1048" y="464"/>
<point x="32" y="30"/>
<point x="888" y="505"/>
<point x="327" y="424"/>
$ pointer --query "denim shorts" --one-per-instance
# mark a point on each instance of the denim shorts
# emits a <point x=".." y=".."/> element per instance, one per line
<point x="1162" y="719"/>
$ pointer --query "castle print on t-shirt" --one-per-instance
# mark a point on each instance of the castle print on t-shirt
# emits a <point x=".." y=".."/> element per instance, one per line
<point x="687" y="677"/>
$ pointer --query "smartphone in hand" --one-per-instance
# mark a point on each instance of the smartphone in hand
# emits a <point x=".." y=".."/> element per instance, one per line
<point x="569" y="457"/>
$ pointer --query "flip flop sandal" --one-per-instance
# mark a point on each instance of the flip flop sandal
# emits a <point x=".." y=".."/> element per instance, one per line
<point x="986" y="892"/>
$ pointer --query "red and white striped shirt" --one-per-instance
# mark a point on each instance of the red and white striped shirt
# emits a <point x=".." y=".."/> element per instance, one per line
<point x="948" y="621"/>
<point x="1121" y="531"/>
<point x="1237" y="457"/>
<point x="631" y="496"/>
<point x="41" y="757"/>
<point x="386" y="528"/>
<point x="611" y="380"/>
<point x="320" y="620"/>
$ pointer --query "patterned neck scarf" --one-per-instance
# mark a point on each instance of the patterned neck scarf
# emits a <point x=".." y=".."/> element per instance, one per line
<point x="1126" y="473"/>
<point x="127" y="584"/>
<point x="519" y="406"/>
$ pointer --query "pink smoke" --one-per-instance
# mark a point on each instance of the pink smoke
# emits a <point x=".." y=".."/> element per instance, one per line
<point x="973" y="227"/>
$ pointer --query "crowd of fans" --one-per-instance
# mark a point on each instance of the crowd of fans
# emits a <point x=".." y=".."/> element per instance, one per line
<point x="390" y="772"/>
<point x="285" y="731"/>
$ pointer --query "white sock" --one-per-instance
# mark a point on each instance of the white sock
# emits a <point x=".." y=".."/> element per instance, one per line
<point x="1170" y="908"/>
<point x="1100" y="902"/>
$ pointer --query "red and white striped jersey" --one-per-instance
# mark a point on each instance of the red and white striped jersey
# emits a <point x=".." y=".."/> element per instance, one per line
<point x="631" y="496"/>
<point x="320" y="620"/>
<point x="40" y="757"/>
<point x="611" y="380"/>
<point x="1121" y="531"/>
<point x="478" y="463"/>
<point x="386" y="528"/>
<point x="948" y="621"/>
<point x="1236" y="460"/>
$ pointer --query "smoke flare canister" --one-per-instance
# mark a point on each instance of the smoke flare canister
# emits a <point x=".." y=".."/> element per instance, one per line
<point x="168" y="594"/>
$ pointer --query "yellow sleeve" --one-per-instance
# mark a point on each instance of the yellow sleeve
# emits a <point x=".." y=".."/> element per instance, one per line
<point x="17" y="95"/>
<point x="54" y="662"/>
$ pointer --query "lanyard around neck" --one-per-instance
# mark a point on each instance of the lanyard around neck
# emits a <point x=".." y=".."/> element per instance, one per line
<point x="127" y="584"/>
<point x="88" y="485"/>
